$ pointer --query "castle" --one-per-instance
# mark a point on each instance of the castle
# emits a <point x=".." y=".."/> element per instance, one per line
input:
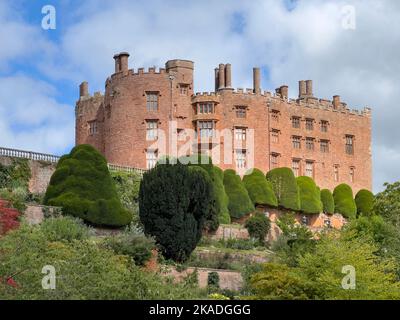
<point x="144" y="115"/>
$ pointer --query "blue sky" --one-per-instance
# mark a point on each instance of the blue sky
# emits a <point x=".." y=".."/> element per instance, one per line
<point x="40" y="70"/>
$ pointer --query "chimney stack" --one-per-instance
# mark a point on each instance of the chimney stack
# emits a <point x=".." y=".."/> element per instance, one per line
<point x="216" y="70"/>
<point x="221" y="76"/>
<point x="83" y="89"/>
<point x="256" y="80"/>
<point x="121" y="62"/>
<point x="336" y="102"/>
<point x="228" y="75"/>
<point x="309" y="89"/>
<point x="284" y="91"/>
<point x="302" y="89"/>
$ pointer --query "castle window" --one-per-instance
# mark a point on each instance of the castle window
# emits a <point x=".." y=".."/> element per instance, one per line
<point x="296" y="167"/>
<point x="296" y="142"/>
<point x="310" y="143"/>
<point x="352" y="174"/>
<point x="324" y="126"/>
<point x="241" y="112"/>
<point x="309" y="124"/>
<point x="240" y="134"/>
<point x="183" y="89"/>
<point x="240" y="159"/>
<point x="275" y="135"/>
<point x="350" y="144"/>
<point x="274" y="160"/>
<point x="206" y="128"/>
<point x="324" y="144"/>
<point x="336" y="172"/>
<point x="151" y="130"/>
<point x="275" y="115"/>
<point x="310" y="169"/>
<point x="92" y="127"/>
<point x="151" y="159"/>
<point x="152" y="101"/>
<point x="296" y="122"/>
<point x="205" y="107"/>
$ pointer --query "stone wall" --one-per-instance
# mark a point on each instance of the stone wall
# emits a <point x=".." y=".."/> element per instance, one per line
<point x="228" y="279"/>
<point x="41" y="172"/>
<point x="35" y="214"/>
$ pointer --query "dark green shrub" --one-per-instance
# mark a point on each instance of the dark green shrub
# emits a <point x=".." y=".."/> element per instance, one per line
<point x="310" y="196"/>
<point x="132" y="243"/>
<point x="344" y="201"/>
<point x="213" y="280"/>
<point x="64" y="229"/>
<point x="174" y="202"/>
<point x="239" y="201"/>
<point x="285" y="188"/>
<point x="219" y="194"/>
<point x="83" y="187"/>
<point x="259" y="189"/>
<point x="364" y="202"/>
<point x="258" y="226"/>
<point x="328" y="203"/>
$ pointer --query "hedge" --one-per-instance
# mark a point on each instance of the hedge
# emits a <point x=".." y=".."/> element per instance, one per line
<point x="174" y="202"/>
<point x="364" y="202"/>
<point x="310" y="196"/>
<point x="327" y="201"/>
<point x="240" y="203"/>
<point x="83" y="187"/>
<point x="285" y="188"/>
<point x="344" y="201"/>
<point x="259" y="189"/>
<point x="258" y="226"/>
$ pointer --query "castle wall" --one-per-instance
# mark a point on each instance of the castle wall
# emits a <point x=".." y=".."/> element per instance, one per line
<point x="122" y="116"/>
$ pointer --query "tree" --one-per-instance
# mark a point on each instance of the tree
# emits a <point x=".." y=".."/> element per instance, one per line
<point x="364" y="202"/>
<point x="310" y="196"/>
<point x="220" y="212"/>
<point x="259" y="189"/>
<point x="285" y="188"/>
<point x="258" y="226"/>
<point x="387" y="203"/>
<point x="83" y="187"/>
<point x="239" y="201"/>
<point x="344" y="201"/>
<point x="328" y="203"/>
<point x="174" y="202"/>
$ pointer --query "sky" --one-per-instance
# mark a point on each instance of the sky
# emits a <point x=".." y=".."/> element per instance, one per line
<point x="350" y="48"/>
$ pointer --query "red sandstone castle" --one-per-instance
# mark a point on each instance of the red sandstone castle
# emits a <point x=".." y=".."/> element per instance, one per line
<point x="146" y="114"/>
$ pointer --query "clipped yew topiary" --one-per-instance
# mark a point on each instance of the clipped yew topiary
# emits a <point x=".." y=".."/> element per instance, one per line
<point x="285" y="188"/>
<point x="328" y="203"/>
<point x="239" y="201"/>
<point x="364" y="202"/>
<point x="344" y="201"/>
<point x="221" y="196"/>
<point x="310" y="196"/>
<point x="259" y="189"/>
<point x="174" y="202"/>
<point x="83" y="187"/>
<point x="258" y="226"/>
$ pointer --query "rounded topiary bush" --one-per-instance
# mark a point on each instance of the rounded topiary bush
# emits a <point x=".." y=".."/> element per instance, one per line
<point x="364" y="202"/>
<point x="285" y="188"/>
<point x="344" y="201"/>
<point x="328" y="203"/>
<point x="310" y="197"/>
<point x="174" y="202"/>
<point x="239" y="201"/>
<point x="259" y="189"/>
<point x="258" y="226"/>
<point x="83" y="187"/>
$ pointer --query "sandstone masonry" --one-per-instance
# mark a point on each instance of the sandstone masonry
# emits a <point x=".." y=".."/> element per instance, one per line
<point x="320" y="138"/>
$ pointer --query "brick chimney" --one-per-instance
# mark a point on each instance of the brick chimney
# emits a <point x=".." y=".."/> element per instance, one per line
<point x="284" y="91"/>
<point x="83" y="89"/>
<point x="228" y="75"/>
<point x="302" y="89"/>
<point x="216" y="71"/>
<point x="309" y="89"/>
<point x="221" y="76"/>
<point x="256" y="80"/>
<point x="336" y="102"/>
<point x="121" y="62"/>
